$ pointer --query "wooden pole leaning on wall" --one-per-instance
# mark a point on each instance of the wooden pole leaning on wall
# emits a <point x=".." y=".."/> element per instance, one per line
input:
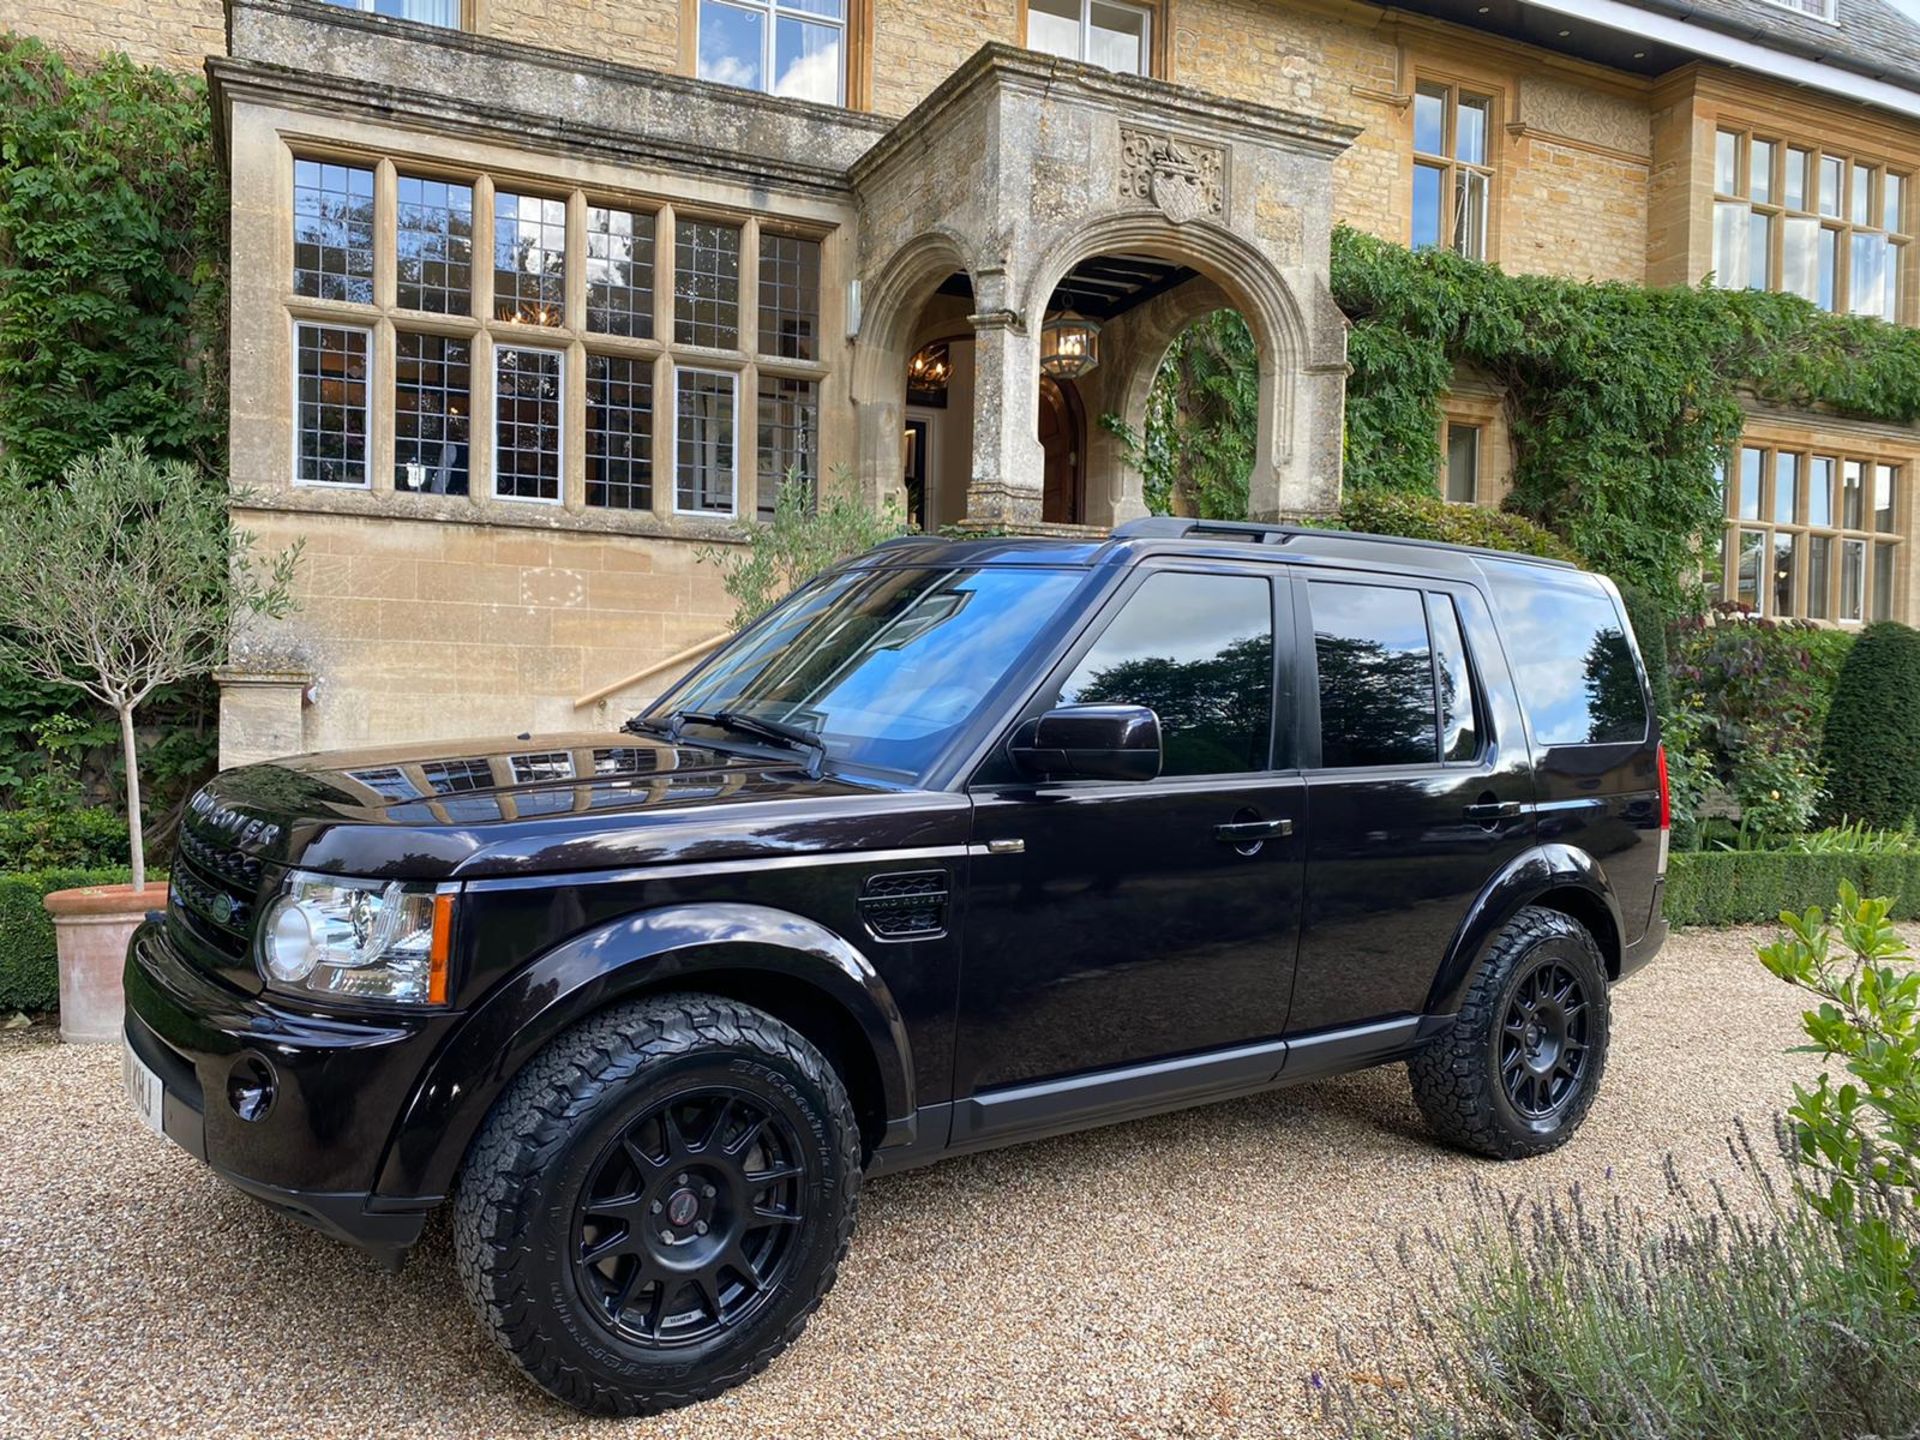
<point x="683" y="657"/>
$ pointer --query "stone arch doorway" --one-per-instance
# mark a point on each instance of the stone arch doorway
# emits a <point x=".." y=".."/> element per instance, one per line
<point x="1025" y="176"/>
<point x="1204" y="269"/>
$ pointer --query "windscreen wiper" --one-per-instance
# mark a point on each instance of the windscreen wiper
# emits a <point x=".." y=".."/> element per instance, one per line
<point x="794" y="737"/>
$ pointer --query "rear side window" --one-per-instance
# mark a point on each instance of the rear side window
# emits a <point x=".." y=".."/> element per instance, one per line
<point x="1197" y="650"/>
<point x="1571" y="659"/>
<point x="1459" y="722"/>
<point x="1376" y="676"/>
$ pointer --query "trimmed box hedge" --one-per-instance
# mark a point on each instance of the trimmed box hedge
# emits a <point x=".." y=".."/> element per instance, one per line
<point x="29" y="970"/>
<point x="1746" y="887"/>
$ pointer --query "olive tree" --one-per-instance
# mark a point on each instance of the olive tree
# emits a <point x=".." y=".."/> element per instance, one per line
<point x="124" y="576"/>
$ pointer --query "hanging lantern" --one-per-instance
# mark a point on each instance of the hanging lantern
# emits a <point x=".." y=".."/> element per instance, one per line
<point x="929" y="370"/>
<point x="1069" y="345"/>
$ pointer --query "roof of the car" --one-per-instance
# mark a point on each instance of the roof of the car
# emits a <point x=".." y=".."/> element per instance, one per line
<point x="1214" y="539"/>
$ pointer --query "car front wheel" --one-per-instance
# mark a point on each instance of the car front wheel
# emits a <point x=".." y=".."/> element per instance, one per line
<point x="1519" y="1070"/>
<point x="658" y="1202"/>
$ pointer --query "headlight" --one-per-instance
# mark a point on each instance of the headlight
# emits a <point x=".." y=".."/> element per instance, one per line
<point x="357" y="939"/>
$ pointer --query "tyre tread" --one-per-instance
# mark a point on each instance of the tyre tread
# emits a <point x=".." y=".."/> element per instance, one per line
<point x="533" y="1119"/>
<point x="1453" y="1083"/>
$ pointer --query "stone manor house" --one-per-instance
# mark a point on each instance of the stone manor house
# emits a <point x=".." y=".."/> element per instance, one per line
<point x="533" y="299"/>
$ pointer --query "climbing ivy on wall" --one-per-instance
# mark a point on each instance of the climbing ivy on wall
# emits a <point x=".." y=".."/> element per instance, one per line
<point x="113" y="219"/>
<point x="1197" y="448"/>
<point x="1621" y="398"/>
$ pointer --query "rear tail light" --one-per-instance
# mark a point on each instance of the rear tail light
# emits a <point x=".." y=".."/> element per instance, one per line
<point x="1666" y="811"/>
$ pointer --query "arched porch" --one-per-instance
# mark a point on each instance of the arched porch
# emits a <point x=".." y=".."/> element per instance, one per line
<point x="1143" y="230"/>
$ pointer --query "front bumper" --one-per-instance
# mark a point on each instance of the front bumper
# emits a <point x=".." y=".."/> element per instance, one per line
<point x="293" y="1108"/>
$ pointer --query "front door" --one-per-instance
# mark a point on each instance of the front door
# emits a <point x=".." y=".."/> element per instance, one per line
<point x="1062" y="441"/>
<point x="1113" y="924"/>
<point x="1419" y="785"/>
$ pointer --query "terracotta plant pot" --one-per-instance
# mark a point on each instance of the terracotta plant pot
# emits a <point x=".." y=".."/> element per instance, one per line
<point x="91" y="927"/>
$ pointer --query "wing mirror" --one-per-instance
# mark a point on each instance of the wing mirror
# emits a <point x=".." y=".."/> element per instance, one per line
<point x="1090" y="742"/>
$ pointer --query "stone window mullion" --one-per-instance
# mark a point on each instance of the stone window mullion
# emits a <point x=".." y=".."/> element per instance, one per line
<point x="746" y="451"/>
<point x="380" y="418"/>
<point x="573" y="430"/>
<point x="386" y="212"/>
<point x="573" y="420"/>
<point x="480" y="432"/>
<point x="749" y="289"/>
<point x="665" y="399"/>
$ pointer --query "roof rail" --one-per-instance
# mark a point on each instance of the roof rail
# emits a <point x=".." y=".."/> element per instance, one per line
<point x="1176" y="527"/>
<point x="1179" y="527"/>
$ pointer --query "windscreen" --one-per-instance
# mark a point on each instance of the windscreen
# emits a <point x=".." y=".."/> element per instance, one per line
<point x="885" y="666"/>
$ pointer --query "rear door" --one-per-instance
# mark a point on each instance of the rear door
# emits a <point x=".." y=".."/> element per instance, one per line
<point x="1419" y="786"/>
<point x="1110" y="924"/>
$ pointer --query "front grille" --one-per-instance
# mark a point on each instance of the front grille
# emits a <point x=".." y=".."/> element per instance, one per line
<point x="225" y="862"/>
<point x="213" y="890"/>
<point x="905" y="905"/>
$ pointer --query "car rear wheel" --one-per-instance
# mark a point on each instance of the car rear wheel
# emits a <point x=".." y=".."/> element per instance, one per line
<point x="1519" y="1070"/>
<point x="658" y="1202"/>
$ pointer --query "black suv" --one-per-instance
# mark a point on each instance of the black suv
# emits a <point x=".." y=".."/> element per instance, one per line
<point x="963" y="844"/>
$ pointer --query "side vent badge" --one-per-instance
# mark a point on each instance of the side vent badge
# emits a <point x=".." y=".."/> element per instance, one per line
<point x="905" y="905"/>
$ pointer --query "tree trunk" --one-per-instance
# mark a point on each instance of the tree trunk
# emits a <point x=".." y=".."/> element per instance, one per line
<point x="135" y="838"/>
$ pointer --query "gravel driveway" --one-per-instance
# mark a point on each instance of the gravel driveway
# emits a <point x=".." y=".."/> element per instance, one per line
<point x="1177" y="1276"/>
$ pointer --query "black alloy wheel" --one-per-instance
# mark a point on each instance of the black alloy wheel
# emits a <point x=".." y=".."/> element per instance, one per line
<point x="1522" y="1063"/>
<point x="658" y="1202"/>
<point x="1543" y="1041"/>
<point x="688" y="1221"/>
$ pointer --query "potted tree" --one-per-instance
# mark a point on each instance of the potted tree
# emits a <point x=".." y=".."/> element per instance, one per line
<point x="119" y="578"/>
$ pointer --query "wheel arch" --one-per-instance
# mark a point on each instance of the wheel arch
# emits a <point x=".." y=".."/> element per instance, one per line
<point x="1555" y="877"/>
<point x="794" y="968"/>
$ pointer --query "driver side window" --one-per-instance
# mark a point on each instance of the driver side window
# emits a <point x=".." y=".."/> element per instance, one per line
<point x="1198" y="651"/>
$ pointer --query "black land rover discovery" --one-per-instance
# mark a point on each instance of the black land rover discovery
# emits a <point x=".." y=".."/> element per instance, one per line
<point x="963" y="844"/>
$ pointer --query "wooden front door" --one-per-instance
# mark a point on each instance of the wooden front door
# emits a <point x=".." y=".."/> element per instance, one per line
<point x="1063" y="438"/>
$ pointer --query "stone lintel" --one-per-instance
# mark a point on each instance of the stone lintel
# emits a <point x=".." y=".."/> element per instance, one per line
<point x="329" y="57"/>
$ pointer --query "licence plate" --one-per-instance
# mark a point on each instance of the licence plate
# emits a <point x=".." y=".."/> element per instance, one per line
<point x="143" y="1088"/>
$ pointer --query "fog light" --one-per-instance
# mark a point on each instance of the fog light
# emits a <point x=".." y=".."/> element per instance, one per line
<point x="251" y="1088"/>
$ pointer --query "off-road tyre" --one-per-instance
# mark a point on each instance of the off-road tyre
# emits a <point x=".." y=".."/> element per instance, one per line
<point x="1461" y="1080"/>
<point x="603" y="1095"/>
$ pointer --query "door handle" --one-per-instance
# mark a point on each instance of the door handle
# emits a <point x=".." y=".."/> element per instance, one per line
<point x="1243" y="832"/>
<point x="1493" y="810"/>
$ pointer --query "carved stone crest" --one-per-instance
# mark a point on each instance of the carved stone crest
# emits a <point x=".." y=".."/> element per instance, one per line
<point x="1186" y="180"/>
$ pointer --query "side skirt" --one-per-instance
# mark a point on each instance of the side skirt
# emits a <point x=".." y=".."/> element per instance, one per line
<point x="1014" y="1114"/>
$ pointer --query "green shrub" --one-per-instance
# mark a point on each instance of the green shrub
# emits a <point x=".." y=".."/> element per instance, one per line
<point x="113" y="259"/>
<point x="47" y="839"/>
<point x="1755" y="887"/>
<point x="1856" y="837"/>
<point x="1859" y="1141"/>
<point x="29" y="971"/>
<point x="1428" y="517"/>
<point x="1739" y="1316"/>
<point x="1871" y="748"/>
<point x="806" y="535"/>
<point x="1826" y="650"/>
<point x="1745" y="691"/>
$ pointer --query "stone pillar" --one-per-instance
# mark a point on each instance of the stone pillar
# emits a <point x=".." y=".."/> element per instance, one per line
<point x="261" y="714"/>
<point x="1006" y="488"/>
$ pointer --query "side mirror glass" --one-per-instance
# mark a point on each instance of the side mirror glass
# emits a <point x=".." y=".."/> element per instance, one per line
<point x="1090" y="742"/>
